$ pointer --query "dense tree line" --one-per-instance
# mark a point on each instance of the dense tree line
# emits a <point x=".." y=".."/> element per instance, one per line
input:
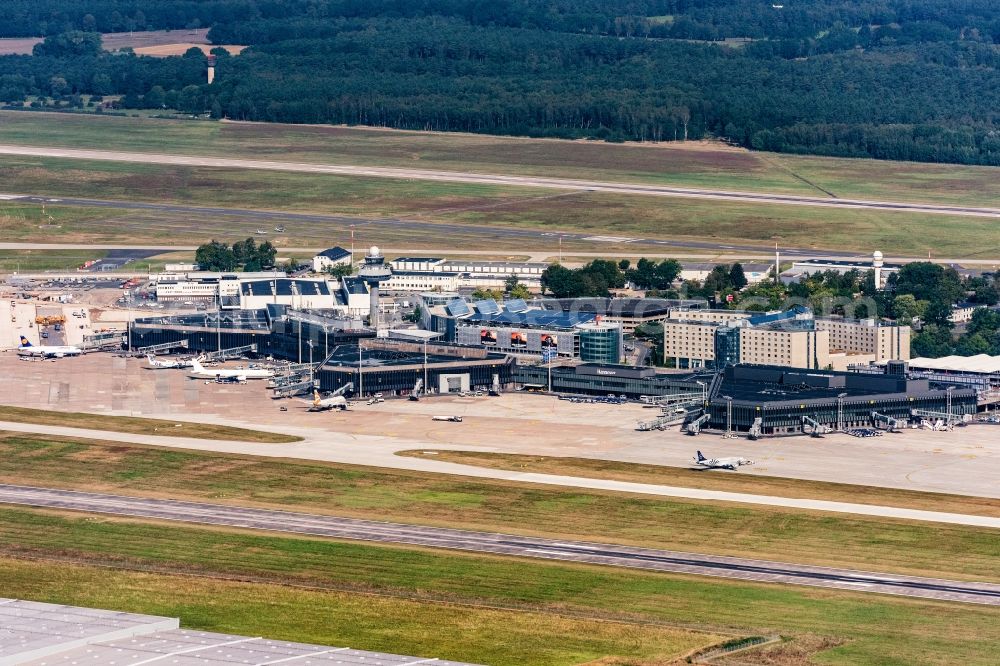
<point x="245" y="255"/>
<point x="893" y="79"/>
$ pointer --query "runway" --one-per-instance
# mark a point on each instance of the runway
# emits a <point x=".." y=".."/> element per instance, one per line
<point x="601" y="554"/>
<point x="418" y="227"/>
<point x="565" y="184"/>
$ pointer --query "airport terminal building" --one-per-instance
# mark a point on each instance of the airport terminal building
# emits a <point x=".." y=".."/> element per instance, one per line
<point x="275" y="330"/>
<point x="521" y="329"/>
<point x="597" y="379"/>
<point x="780" y="397"/>
<point x="393" y="368"/>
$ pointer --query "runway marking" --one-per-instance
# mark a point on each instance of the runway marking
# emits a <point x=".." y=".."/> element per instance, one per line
<point x="492" y="179"/>
<point x="610" y="239"/>
<point x="498" y="544"/>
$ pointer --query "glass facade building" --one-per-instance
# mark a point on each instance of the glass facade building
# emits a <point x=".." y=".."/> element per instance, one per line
<point x="603" y="379"/>
<point x="780" y="397"/>
<point x="600" y="344"/>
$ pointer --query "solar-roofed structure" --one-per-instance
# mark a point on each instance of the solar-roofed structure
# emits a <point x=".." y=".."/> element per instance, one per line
<point x="519" y="328"/>
<point x="487" y="307"/>
<point x="40" y="634"/>
<point x="458" y="308"/>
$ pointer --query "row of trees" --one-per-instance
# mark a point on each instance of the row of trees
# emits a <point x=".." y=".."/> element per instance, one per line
<point x="600" y="276"/>
<point x="357" y="63"/>
<point x="242" y="255"/>
<point x="240" y="21"/>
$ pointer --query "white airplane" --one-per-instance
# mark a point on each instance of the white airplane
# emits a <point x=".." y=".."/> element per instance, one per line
<point x="721" y="463"/>
<point x="201" y="372"/>
<point x="156" y="364"/>
<point x="323" y="404"/>
<point x="453" y="419"/>
<point x="46" y="351"/>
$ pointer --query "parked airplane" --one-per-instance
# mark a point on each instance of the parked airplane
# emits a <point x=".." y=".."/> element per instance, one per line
<point x="261" y="232"/>
<point x="323" y="404"/>
<point x="280" y="229"/>
<point x="46" y="351"/>
<point x="721" y="463"/>
<point x="156" y="364"/>
<point x="453" y="419"/>
<point x="201" y="372"/>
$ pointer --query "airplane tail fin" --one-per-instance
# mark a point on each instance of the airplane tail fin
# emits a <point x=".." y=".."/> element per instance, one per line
<point x="25" y="342"/>
<point x="316" y="398"/>
<point x="700" y="456"/>
<point x="196" y="364"/>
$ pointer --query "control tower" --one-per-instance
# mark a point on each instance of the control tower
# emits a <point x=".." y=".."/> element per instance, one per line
<point x="877" y="264"/>
<point x="373" y="272"/>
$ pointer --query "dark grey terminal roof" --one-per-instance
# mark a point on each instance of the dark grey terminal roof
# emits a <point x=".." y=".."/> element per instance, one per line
<point x="39" y="634"/>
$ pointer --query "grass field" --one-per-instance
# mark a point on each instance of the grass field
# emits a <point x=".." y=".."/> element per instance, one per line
<point x="46" y="260"/>
<point x="763" y="532"/>
<point x="476" y="207"/>
<point x="692" y="164"/>
<point x="141" y="426"/>
<point x="737" y="483"/>
<point x="498" y="610"/>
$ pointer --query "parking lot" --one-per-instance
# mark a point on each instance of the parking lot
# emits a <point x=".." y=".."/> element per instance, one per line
<point x="962" y="461"/>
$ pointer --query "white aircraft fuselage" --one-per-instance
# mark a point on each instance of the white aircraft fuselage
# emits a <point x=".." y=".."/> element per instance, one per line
<point x="201" y="372"/>
<point x="720" y="463"/>
<point x="323" y="404"/>
<point x="47" y="351"/>
<point x="156" y="364"/>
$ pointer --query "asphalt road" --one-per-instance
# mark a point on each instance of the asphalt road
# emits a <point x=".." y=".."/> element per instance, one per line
<point x="504" y="544"/>
<point x="492" y="179"/>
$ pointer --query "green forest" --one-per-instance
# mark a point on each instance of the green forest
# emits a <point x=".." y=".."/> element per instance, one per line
<point x="892" y="79"/>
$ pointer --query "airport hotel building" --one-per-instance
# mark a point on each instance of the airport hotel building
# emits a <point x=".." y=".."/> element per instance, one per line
<point x="794" y="339"/>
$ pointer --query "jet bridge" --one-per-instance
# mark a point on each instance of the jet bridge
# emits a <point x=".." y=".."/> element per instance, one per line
<point x="694" y="427"/>
<point x="166" y="346"/>
<point x="224" y="354"/>
<point x="891" y="424"/>
<point x="813" y="427"/>
<point x="417" y="389"/>
<point x="949" y="419"/>
<point x="661" y="422"/>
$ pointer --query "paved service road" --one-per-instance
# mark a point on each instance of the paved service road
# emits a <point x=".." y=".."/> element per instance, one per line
<point x="491" y="179"/>
<point x="504" y="544"/>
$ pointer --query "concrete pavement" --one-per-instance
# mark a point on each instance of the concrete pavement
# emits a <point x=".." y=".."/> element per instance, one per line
<point x="375" y="452"/>
<point x="491" y="179"/>
<point x="505" y="544"/>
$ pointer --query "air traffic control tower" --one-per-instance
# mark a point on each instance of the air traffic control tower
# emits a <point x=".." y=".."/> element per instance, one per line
<point x="373" y="272"/>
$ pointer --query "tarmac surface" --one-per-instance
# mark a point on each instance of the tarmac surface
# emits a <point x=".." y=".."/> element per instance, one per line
<point x="761" y="571"/>
<point x="492" y="179"/>
<point x="964" y="461"/>
<point x="315" y="447"/>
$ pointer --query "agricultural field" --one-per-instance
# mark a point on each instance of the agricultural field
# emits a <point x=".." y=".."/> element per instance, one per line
<point x="146" y="42"/>
<point x="475" y="208"/>
<point x="750" y="531"/>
